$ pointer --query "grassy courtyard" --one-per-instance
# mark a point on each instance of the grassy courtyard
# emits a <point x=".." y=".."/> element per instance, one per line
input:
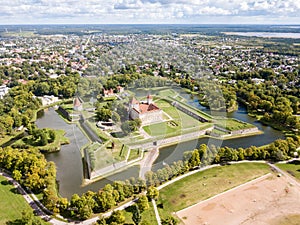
<point x="202" y="185"/>
<point x="12" y="203"/>
<point x="178" y="123"/>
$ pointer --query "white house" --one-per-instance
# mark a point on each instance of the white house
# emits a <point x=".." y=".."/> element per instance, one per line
<point x="3" y="91"/>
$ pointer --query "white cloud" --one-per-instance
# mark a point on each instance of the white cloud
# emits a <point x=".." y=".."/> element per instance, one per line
<point x="132" y="11"/>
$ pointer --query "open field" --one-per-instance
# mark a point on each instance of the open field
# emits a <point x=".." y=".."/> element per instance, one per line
<point x="12" y="203"/>
<point x="202" y="185"/>
<point x="293" y="168"/>
<point x="267" y="200"/>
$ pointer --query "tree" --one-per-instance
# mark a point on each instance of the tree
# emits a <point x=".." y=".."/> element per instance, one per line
<point x="143" y="203"/>
<point x="152" y="193"/>
<point x="17" y="175"/>
<point x="43" y="138"/>
<point x="104" y="114"/>
<point x="195" y="159"/>
<point x="115" y="117"/>
<point x="117" y="217"/>
<point x="29" y="218"/>
<point x="136" y="215"/>
<point x="101" y="221"/>
<point x="169" y="221"/>
<point x="85" y="212"/>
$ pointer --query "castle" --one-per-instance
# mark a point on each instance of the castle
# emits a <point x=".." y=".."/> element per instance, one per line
<point x="146" y="111"/>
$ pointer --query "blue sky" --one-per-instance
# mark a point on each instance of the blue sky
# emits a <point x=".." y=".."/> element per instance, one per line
<point x="149" y="11"/>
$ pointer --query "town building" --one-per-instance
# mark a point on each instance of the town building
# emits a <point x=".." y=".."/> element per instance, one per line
<point x="3" y="91"/>
<point x="108" y="93"/>
<point x="146" y="111"/>
<point x="48" y="99"/>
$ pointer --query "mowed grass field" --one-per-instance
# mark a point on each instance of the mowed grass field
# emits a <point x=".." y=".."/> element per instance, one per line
<point x="200" y="186"/>
<point x="292" y="168"/>
<point x="11" y="203"/>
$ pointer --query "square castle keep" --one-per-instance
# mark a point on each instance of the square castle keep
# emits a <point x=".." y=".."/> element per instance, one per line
<point x="146" y="111"/>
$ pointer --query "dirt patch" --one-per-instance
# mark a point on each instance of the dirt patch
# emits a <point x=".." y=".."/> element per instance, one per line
<point x="259" y="202"/>
<point x="182" y="196"/>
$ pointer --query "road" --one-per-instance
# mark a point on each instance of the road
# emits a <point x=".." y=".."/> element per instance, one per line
<point x="146" y="163"/>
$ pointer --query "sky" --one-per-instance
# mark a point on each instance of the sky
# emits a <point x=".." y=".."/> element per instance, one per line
<point x="149" y="11"/>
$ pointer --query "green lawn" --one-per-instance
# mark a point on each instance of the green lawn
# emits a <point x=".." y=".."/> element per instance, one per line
<point x="147" y="215"/>
<point x="105" y="155"/>
<point x="11" y="204"/>
<point x="167" y="93"/>
<point x="134" y="154"/>
<point x="202" y="185"/>
<point x="233" y="124"/>
<point x="160" y="129"/>
<point x="292" y="168"/>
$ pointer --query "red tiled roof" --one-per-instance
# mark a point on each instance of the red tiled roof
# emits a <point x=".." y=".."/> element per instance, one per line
<point x="145" y="108"/>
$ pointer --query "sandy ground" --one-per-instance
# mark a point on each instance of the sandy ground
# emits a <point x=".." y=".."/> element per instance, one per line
<point x="260" y="202"/>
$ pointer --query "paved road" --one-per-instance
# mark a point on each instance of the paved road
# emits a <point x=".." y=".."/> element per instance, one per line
<point x="146" y="163"/>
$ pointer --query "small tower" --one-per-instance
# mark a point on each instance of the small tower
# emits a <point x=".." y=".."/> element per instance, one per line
<point x="77" y="104"/>
<point x="149" y="99"/>
<point x="134" y="104"/>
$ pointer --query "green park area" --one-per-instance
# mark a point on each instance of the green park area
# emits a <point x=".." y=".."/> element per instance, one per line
<point x="203" y="185"/>
<point x="46" y="140"/>
<point x="293" y="168"/>
<point x="12" y="204"/>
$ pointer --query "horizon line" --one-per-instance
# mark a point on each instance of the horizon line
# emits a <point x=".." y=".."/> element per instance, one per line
<point x="261" y="24"/>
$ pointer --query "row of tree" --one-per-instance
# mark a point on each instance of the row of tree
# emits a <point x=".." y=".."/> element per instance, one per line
<point x="207" y="155"/>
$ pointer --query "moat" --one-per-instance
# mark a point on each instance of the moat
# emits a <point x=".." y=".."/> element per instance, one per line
<point x="69" y="161"/>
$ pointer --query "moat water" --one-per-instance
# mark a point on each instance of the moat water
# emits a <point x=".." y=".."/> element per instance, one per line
<point x="69" y="160"/>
